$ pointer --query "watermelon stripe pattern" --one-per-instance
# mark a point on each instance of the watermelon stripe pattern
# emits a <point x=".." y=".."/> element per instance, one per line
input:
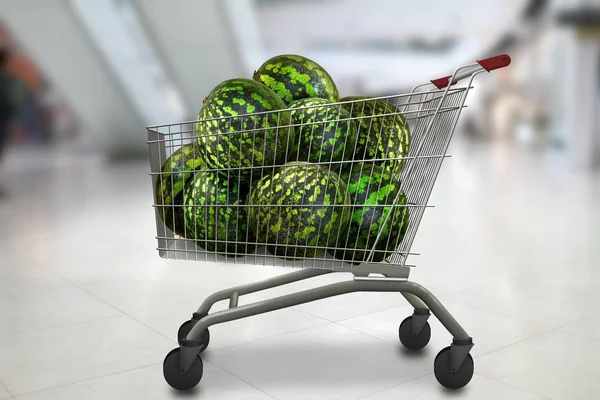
<point x="324" y="132"/>
<point x="294" y="77"/>
<point x="176" y="174"/>
<point x="215" y="214"/>
<point x="380" y="136"/>
<point x="229" y="139"/>
<point x="298" y="208"/>
<point x="373" y="191"/>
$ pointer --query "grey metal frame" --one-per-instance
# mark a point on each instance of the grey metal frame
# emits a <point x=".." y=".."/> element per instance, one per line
<point x="418" y="296"/>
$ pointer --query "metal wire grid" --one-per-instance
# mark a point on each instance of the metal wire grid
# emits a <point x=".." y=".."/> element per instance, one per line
<point x="431" y="116"/>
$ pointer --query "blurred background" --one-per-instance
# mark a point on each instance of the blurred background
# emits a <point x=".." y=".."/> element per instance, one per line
<point x="517" y="216"/>
<point x="94" y="73"/>
<point x="83" y="78"/>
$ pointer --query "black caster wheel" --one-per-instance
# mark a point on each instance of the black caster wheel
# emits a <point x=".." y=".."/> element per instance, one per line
<point x="411" y="341"/>
<point x="185" y="328"/>
<point x="173" y="375"/>
<point x="452" y="379"/>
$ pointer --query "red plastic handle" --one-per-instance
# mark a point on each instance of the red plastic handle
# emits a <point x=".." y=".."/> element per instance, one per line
<point x="492" y="63"/>
<point x="489" y="64"/>
<point x="441" y="83"/>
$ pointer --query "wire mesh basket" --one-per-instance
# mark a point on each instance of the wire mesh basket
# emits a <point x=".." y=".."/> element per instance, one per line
<point x="394" y="143"/>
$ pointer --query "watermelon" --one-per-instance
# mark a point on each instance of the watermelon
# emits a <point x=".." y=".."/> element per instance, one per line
<point x="325" y="132"/>
<point x="299" y="207"/>
<point x="234" y="139"/>
<point x="215" y="216"/>
<point x="379" y="137"/>
<point x="175" y="176"/>
<point x="295" y="77"/>
<point x="372" y="192"/>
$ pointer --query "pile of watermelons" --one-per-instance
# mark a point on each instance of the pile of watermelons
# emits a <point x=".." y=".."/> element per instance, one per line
<point x="280" y="160"/>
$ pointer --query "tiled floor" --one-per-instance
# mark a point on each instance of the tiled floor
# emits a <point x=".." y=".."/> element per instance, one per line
<point x="88" y="310"/>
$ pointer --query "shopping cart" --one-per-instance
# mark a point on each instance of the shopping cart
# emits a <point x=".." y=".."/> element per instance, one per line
<point x="431" y="112"/>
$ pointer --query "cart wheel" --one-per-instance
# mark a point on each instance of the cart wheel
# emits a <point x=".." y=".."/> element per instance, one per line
<point x="446" y="377"/>
<point x="414" y="342"/>
<point x="173" y="375"/>
<point x="186" y="327"/>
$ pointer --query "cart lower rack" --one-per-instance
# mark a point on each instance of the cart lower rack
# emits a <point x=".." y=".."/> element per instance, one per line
<point x="307" y="201"/>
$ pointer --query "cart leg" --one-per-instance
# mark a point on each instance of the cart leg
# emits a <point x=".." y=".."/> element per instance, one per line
<point x="420" y="315"/>
<point x="414" y="301"/>
<point x="233" y="293"/>
<point x="188" y="354"/>
<point x="453" y="366"/>
<point x="436" y="307"/>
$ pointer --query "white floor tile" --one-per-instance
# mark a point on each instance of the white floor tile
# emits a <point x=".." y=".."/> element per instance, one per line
<point x="555" y="365"/>
<point x="43" y="359"/>
<point x="148" y="384"/>
<point x="489" y="331"/>
<point x="584" y="280"/>
<point x="73" y="246"/>
<point x="570" y="351"/>
<point x="112" y="267"/>
<point x="588" y="328"/>
<point x="427" y="388"/>
<point x="326" y="362"/>
<point x="527" y="300"/>
<point x="4" y="394"/>
<point x="146" y="293"/>
<point x="146" y="281"/>
<point x="18" y="276"/>
<point x="339" y="307"/>
<point x="352" y="305"/>
<point x="443" y="278"/>
<point x="262" y="326"/>
<point x="49" y="308"/>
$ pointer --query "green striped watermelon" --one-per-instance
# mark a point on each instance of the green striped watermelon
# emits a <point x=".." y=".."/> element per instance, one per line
<point x="379" y="137"/>
<point x="233" y="139"/>
<point x="176" y="174"/>
<point x="372" y="192"/>
<point x="215" y="216"/>
<point x="295" y="77"/>
<point x="300" y="206"/>
<point x="325" y="132"/>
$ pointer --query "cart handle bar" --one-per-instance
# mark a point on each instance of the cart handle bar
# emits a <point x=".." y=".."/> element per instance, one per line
<point x="489" y="64"/>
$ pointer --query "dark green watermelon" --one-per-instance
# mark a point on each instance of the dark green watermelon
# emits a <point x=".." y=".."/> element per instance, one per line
<point x="300" y="206"/>
<point x="215" y="215"/>
<point x="238" y="141"/>
<point x="372" y="192"/>
<point x="295" y="77"/>
<point x="176" y="174"/>
<point x="379" y="137"/>
<point x="325" y="133"/>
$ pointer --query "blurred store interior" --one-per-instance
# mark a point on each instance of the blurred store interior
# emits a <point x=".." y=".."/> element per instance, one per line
<point x="96" y="72"/>
<point x="520" y="196"/>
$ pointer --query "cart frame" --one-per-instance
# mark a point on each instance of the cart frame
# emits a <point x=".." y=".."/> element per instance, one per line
<point x="453" y="365"/>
